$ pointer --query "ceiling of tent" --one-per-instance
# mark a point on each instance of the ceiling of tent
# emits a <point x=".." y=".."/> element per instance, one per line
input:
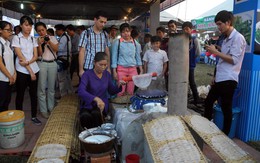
<point x="79" y="9"/>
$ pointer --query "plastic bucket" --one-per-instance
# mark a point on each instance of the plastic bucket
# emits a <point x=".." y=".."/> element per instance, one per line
<point x="132" y="158"/>
<point x="11" y="128"/>
<point x="219" y="119"/>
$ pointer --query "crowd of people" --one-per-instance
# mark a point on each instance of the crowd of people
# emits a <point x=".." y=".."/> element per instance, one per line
<point x="101" y="59"/>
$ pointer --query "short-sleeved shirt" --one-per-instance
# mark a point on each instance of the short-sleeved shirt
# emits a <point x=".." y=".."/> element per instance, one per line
<point x="235" y="46"/>
<point x="48" y="55"/>
<point x="8" y="59"/>
<point x="64" y="45"/>
<point x="128" y="54"/>
<point x="93" y="43"/>
<point x="26" y="45"/>
<point x="74" y="44"/>
<point x="155" y="60"/>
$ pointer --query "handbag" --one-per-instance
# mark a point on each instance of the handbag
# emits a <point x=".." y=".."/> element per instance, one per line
<point x="64" y="63"/>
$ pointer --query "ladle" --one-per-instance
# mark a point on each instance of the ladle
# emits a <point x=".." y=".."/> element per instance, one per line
<point x="88" y="131"/>
<point x="100" y="141"/>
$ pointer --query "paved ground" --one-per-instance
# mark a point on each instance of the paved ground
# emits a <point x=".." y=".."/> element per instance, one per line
<point x="32" y="132"/>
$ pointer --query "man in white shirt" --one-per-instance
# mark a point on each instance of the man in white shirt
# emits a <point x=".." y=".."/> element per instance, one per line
<point x="228" y="68"/>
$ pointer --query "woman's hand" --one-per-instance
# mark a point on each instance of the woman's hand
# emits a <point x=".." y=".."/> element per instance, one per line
<point x="24" y="62"/>
<point x="121" y="82"/>
<point x="115" y="76"/>
<point x="15" y="76"/>
<point x="100" y="103"/>
<point x="40" y="40"/>
<point x="11" y="80"/>
<point x="33" y="76"/>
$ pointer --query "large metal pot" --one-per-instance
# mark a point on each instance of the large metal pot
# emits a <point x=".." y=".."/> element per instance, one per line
<point x="96" y="147"/>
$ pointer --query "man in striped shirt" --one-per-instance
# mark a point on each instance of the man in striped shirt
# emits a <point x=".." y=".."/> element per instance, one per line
<point x="93" y="40"/>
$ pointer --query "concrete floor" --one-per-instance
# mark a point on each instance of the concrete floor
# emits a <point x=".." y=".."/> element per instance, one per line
<point x="32" y="133"/>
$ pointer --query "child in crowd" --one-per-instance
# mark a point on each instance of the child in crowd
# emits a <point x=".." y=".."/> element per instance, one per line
<point x="147" y="43"/>
<point x="126" y="58"/>
<point x="7" y="70"/>
<point x="27" y="69"/>
<point x="155" y="60"/>
<point x="160" y="31"/>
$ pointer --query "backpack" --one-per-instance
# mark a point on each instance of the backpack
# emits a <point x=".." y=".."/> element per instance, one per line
<point x="102" y="32"/>
<point x="20" y="39"/>
<point x="64" y="63"/>
<point x="88" y="35"/>
<point x="118" y="48"/>
<point x="3" y="50"/>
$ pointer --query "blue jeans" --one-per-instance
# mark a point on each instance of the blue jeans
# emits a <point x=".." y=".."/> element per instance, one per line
<point x="47" y="78"/>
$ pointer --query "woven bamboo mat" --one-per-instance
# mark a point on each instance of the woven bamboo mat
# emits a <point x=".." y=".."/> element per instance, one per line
<point x="170" y="140"/>
<point x="217" y="140"/>
<point x="61" y="128"/>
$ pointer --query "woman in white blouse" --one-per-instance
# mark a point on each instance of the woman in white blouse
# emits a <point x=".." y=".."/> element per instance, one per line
<point x="7" y="70"/>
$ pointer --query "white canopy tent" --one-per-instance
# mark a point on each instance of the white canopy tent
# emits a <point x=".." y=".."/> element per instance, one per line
<point x="193" y="9"/>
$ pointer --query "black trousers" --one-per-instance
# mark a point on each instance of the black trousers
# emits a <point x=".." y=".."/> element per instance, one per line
<point x="193" y="86"/>
<point x="23" y="81"/>
<point x="5" y="95"/>
<point x="223" y="90"/>
<point x="74" y="65"/>
<point x="90" y="118"/>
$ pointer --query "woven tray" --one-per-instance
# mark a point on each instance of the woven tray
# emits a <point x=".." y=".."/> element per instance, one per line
<point x="217" y="140"/>
<point x="170" y="140"/>
<point x="61" y="128"/>
<point x="122" y="99"/>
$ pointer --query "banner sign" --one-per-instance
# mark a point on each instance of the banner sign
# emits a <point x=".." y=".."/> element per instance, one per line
<point x="206" y="23"/>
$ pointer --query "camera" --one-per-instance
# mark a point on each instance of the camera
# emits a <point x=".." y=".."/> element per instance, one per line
<point x="210" y="42"/>
<point x="46" y="38"/>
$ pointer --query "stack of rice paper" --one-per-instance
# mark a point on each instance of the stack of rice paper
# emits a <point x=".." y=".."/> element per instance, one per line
<point x="217" y="140"/>
<point x="170" y="140"/>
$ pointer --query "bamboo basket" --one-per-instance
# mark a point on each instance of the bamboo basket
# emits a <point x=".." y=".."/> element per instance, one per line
<point x="217" y="140"/>
<point x="170" y="140"/>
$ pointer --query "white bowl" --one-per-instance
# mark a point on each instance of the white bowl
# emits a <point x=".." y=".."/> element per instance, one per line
<point x="108" y="126"/>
